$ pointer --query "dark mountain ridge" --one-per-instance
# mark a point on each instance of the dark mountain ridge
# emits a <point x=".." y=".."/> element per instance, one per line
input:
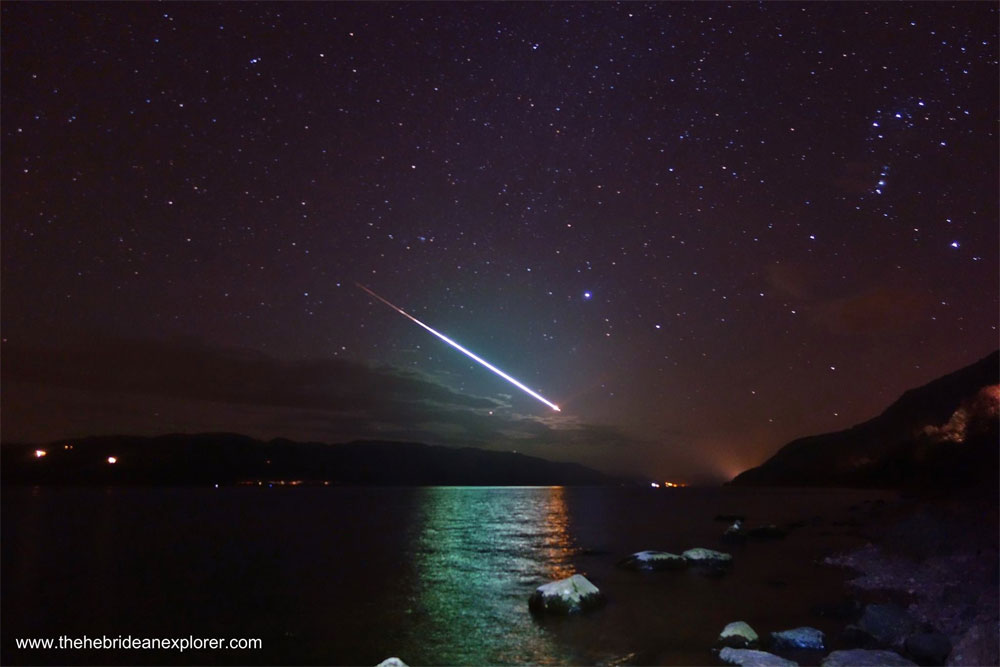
<point x="228" y="458"/>
<point x="941" y="434"/>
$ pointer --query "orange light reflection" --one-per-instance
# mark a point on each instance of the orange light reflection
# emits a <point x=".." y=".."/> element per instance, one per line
<point x="558" y="543"/>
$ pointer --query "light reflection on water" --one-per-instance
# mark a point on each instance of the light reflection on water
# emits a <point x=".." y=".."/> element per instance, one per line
<point x="559" y="545"/>
<point x="432" y="575"/>
<point x="479" y="555"/>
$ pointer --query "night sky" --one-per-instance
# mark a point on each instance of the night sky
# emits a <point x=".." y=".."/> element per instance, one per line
<point x="701" y="229"/>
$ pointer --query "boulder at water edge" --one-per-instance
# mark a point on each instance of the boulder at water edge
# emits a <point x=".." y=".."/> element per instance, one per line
<point x="701" y="556"/>
<point x="889" y="624"/>
<point x="566" y="596"/>
<point x="805" y="637"/>
<point x="654" y="560"/>
<point x="738" y="635"/>
<point x="708" y="562"/>
<point x="734" y="534"/>
<point x="751" y="658"/>
<point x="861" y="658"/>
<point x="392" y="662"/>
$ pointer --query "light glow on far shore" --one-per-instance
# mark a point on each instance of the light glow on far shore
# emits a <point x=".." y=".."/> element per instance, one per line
<point x="112" y="459"/>
<point x="39" y="453"/>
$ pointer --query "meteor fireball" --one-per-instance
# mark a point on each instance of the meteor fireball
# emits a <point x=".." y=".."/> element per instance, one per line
<point x="466" y="352"/>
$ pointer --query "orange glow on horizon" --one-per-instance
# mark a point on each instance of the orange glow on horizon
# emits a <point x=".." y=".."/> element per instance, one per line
<point x="39" y="453"/>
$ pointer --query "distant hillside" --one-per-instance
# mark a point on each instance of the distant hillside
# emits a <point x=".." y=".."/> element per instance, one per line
<point x="941" y="434"/>
<point x="223" y="458"/>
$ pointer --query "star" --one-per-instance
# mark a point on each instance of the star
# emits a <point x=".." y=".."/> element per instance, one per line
<point x="477" y="163"/>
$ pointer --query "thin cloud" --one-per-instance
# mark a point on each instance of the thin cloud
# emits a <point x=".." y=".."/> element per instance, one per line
<point x="102" y="386"/>
<point x="882" y="309"/>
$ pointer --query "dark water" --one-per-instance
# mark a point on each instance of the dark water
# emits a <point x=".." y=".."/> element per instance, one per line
<point x="432" y="575"/>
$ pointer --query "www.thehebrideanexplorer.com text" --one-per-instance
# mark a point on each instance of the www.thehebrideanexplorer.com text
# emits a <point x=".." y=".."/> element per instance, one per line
<point x="130" y="643"/>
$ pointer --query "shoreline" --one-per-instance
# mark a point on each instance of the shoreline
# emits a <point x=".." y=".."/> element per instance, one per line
<point x="939" y="559"/>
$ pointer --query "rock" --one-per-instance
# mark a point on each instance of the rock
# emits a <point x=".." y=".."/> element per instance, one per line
<point x="889" y="624"/>
<point x="738" y="635"/>
<point x="750" y="658"/>
<point x="734" y="534"/>
<point x="928" y="648"/>
<point x="862" y="658"/>
<point x="654" y="560"/>
<point x="701" y="556"/>
<point x="767" y="532"/>
<point x="392" y="662"/>
<point x="978" y="646"/>
<point x="804" y="637"/>
<point x="566" y="596"/>
<point x="708" y="562"/>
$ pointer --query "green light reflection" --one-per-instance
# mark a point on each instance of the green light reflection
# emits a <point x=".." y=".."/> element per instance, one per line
<point x="479" y="555"/>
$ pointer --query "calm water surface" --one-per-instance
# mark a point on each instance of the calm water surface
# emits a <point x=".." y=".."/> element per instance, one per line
<point x="432" y="575"/>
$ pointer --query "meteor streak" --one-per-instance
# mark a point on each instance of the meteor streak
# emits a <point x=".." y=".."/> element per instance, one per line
<point x="465" y="352"/>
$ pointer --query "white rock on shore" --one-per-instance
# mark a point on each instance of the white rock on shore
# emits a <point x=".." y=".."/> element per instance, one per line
<point x="566" y="596"/>
<point x="804" y="637"/>
<point x="750" y="658"/>
<point x="392" y="662"/>
<point x="738" y="635"/>
<point x="707" y="556"/>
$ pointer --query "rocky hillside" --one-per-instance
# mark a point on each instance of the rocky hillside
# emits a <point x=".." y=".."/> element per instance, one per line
<point x="943" y="434"/>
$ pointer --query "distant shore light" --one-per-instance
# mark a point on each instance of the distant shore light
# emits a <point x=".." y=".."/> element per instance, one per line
<point x="39" y="453"/>
<point x="112" y="459"/>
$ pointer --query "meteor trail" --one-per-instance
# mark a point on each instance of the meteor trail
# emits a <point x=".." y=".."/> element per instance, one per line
<point x="465" y="352"/>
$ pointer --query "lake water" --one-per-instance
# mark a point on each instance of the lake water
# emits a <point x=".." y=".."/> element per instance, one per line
<point x="329" y="575"/>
